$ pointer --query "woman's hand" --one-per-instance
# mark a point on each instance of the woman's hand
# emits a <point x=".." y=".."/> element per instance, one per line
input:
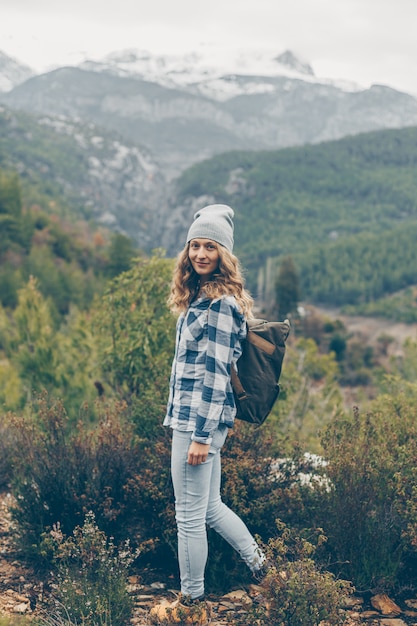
<point x="198" y="453"/>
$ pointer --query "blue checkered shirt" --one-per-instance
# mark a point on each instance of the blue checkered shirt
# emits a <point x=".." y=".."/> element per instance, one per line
<point x="208" y="341"/>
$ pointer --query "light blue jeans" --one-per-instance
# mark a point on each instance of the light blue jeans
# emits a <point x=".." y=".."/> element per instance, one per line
<point x="197" y="503"/>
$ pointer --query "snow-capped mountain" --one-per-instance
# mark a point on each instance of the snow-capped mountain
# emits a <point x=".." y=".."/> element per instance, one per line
<point x="12" y="72"/>
<point x="202" y="111"/>
<point x="163" y="114"/>
<point x="212" y="72"/>
<point x="184" y="109"/>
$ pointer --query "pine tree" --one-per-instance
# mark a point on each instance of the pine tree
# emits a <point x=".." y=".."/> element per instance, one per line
<point x="10" y="210"/>
<point x="121" y="252"/>
<point x="287" y="289"/>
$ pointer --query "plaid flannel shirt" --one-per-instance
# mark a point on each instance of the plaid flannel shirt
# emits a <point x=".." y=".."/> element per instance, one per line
<point x="208" y="341"/>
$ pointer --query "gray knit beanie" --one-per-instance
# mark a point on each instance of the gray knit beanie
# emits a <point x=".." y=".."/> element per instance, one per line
<point x="213" y="222"/>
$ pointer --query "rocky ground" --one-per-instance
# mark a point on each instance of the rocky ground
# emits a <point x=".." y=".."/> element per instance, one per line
<point x="21" y="594"/>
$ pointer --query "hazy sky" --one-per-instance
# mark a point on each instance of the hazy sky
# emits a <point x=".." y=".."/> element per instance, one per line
<point x="368" y="41"/>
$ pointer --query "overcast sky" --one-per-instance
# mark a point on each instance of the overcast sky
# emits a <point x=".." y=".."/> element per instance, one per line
<point x="367" y="41"/>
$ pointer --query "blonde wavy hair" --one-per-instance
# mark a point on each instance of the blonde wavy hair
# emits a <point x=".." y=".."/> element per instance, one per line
<point x="227" y="280"/>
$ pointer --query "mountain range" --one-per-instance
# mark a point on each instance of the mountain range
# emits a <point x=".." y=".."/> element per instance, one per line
<point x="131" y="124"/>
<point x="207" y="73"/>
<point x="186" y="109"/>
<point x="12" y="72"/>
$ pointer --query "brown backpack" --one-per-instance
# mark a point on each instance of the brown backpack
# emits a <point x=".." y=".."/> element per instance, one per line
<point x="255" y="384"/>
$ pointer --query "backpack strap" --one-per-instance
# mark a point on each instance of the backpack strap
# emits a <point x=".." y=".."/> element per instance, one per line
<point x="260" y="342"/>
<point x="237" y="385"/>
<point x="238" y="388"/>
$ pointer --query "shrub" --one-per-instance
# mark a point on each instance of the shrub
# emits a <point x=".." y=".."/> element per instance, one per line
<point x="55" y="620"/>
<point x="295" y="591"/>
<point x="59" y="476"/>
<point x="92" y="576"/>
<point x="368" y="514"/>
<point x="258" y="493"/>
<point x="251" y="486"/>
<point x="6" y="439"/>
<point x="307" y="402"/>
<point x="150" y="490"/>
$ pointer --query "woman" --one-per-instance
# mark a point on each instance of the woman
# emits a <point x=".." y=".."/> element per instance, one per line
<point x="209" y="294"/>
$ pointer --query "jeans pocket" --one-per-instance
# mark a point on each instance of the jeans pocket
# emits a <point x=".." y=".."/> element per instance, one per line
<point x="219" y="438"/>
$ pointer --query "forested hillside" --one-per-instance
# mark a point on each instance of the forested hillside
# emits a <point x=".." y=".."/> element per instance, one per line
<point x="362" y="267"/>
<point x="346" y="211"/>
<point x="70" y="259"/>
<point x="83" y="171"/>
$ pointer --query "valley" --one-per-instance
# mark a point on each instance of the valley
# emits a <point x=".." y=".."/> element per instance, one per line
<point x="370" y="329"/>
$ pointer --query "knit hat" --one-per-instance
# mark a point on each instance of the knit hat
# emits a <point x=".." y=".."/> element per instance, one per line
<point x="213" y="222"/>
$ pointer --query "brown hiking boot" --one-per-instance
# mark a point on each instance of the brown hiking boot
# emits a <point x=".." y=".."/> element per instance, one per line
<point x="181" y="612"/>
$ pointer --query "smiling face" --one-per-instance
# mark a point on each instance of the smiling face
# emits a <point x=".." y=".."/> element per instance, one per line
<point x="204" y="257"/>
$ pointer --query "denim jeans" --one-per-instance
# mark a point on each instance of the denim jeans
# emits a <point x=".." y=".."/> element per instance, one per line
<point x="197" y="503"/>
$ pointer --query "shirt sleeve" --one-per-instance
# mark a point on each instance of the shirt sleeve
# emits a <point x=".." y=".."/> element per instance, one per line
<point x="172" y="375"/>
<point x="224" y="324"/>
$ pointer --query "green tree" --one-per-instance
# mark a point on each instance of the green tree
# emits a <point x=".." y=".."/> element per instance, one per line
<point x="121" y="252"/>
<point x="10" y="281"/>
<point x="33" y="341"/>
<point x="136" y="333"/>
<point x="10" y="210"/>
<point x="38" y="356"/>
<point x="287" y="289"/>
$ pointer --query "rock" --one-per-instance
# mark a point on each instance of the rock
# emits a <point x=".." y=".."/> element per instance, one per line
<point x="392" y="622"/>
<point x="158" y="585"/>
<point x="236" y="596"/>
<point x="134" y="580"/>
<point x="21" y="608"/>
<point x="381" y="602"/>
<point x="412" y="604"/>
<point x="254" y="589"/>
<point x="351" y="602"/>
<point x="17" y="597"/>
<point x="227" y="605"/>
<point x="369" y="614"/>
<point x="354" y="617"/>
